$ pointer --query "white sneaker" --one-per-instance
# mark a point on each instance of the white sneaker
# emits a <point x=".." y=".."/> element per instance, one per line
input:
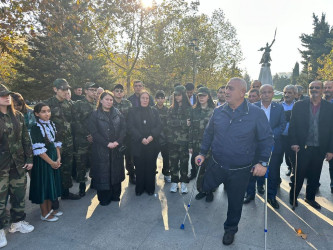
<point x="59" y="213"/>
<point x="3" y="240"/>
<point x="167" y="178"/>
<point x="174" y="187"/>
<point x="21" y="226"/>
<point x="183" y="188"/>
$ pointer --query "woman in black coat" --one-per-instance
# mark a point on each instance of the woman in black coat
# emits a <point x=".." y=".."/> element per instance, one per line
<point x="107" y="127"/>
<point x="144" y="126"/>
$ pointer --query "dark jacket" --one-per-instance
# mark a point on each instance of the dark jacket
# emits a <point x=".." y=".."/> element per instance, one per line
<point x="299" y="125"/>
<point x="136" y="101"/>
<point x="277" y="120"/>
<point x="239" y="137"/>
<point x="136" y="130"/>
<point x="108" y="164"/>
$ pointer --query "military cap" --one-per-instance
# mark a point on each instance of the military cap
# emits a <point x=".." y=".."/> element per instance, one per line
<point x="88" y="85"/>
<point x="4" y="91"/>
<point x="159" y="93"/>
<point x="61" y="83"/>
<point x="203" y="91"/>
<point x="179" y="89"/>
<point x="118" y="86"/>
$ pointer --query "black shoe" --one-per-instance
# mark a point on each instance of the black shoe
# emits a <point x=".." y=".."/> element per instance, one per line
<point x="291" y="202"/>
<point x="228" y="238"/>
<point x="199" y="196"/>
<point x="132" y="179"/>
<point x="70" y="196"/>
<point x="260" y="189"/>
<point x="288" y="173"/>
<point x="104" y="203"/>
<point x="138" y="193"/>
<point x="82" y="189"/>
<point x="273" y="203"/>
<point x="150" y="193"/>
<point x="248" y="199"/>
<point x="313" y="203"/>
<point x="210" y="197"/>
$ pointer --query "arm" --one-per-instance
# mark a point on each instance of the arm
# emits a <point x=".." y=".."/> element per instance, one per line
<point x="133" y="127"/>
<point x="94" y="130"/>
<point x="157" y="128"/>
<point x="122" y="133"/>
<point x="26" y="144"/>
<point x="208" y="135"/>
<point x="278" y="130"/>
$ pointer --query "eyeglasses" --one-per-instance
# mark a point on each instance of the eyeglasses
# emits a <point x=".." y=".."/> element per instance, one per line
<point x="315" y="87"/>
<point x="118" y="91"/>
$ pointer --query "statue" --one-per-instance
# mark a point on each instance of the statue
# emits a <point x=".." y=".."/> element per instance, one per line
<point x="266" y="57"/>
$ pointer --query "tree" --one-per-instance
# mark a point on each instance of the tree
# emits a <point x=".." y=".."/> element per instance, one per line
<point x="247" y="79"/>
<point x="325" y="72"/>
<point x="280" y="82"/>
<point x="295" y="74"/>
<point x="316" y="45"/>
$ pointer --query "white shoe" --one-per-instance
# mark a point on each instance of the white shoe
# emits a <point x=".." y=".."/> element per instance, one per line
<point x="183" y="188"/>
<point x="167" y="178"/>
<point x="21" y="226"/>
<point x="59" y="213"/>
<point x="174" y="187"/>
<point x="3" y="240"/>
<point x="46" y="218"/>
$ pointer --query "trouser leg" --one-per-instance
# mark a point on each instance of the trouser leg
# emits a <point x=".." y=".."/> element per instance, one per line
<point x="150" y="173"/>
<point x="331" y="172"/>
<point x="274" y="175"/>
<point x="303" y="161"/>
<point x="313" y="173"/>
<point x="116" y="191"/>
<point x="200" y="177"/>
<point x="4" y="187"/>
<point x="82" y="160"/>
<point x="174" y="154"/>
<point x="66" y="166"/>
<point x="251" y="187"/>
<point x="129" y="160"/>
<point x="140" y="173"/>
<point x="184" y="157"/>
<point x="166" y="163"/>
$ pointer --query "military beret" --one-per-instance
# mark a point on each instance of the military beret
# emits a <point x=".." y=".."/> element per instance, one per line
<point x="159" y="93"/>
<point x="88" y="85"/>
<point x="61" y="83"/>
<point x="179" y="89"/>
<point x="118" y="86"/>
<point x="4" y="91"/>
<point x="203" y="91"/>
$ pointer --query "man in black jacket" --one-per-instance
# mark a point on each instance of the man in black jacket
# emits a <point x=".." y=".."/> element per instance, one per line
<point x="311" y="137"/>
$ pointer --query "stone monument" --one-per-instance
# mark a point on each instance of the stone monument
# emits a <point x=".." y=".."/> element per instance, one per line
<point x="265" y="76"/>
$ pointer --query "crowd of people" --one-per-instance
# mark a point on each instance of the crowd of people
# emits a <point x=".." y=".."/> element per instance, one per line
<point x="100" y="133"/>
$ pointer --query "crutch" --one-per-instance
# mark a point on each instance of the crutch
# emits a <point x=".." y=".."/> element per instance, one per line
<point x="182" y="226"/>
<point x="295" y="174"/>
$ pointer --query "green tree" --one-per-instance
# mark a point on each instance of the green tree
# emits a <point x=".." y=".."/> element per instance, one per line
<point x="325" y="71"/>
<point x="247" y="79"/>
<point x="280" y="82"/>
<point x="295" y="74"/>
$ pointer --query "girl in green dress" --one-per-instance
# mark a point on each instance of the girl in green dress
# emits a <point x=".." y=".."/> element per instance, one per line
<point x="45" y="185"/>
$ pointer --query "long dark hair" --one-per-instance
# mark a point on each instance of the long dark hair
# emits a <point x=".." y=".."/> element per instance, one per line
<point x="210" y="102"/>
<point x="18" y="98"/>
<point x="37" y="109"/>
<point x="185" y="101"/>
<point x="102" y="95"/>
<point x="16" y="124"/>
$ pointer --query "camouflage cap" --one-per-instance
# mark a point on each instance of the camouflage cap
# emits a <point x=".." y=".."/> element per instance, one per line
<point x="179" y="89"/>
<point x="159" y="93"/>
<point x="203" y="91"/>
<point x="4" y="91"/>
<point x="61" y="83"/>
<point x="88" y="85"/>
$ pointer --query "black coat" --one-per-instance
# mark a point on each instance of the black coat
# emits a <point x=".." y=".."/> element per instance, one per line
<point x="299" y="125"/>
<point x="107" y="166"/>
<point x="135" y="129"/>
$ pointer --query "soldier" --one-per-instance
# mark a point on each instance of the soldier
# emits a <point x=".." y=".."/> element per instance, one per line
<point x="82" y="138"/>
<point x="124" y="106"/>
<point x="163" y="112"/>
<point x="15" y="159"/>
<point x="62" y="116"/>
<point x="200" y="115"/>
<point x="178" y="138"/>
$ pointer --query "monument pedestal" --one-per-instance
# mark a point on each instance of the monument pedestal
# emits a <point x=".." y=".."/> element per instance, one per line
<point x="265" y="76"/>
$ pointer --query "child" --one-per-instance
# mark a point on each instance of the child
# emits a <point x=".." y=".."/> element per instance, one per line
<point x="45" y="185"/>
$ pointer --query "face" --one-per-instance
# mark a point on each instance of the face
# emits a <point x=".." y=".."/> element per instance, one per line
<point x="99" y="91"/>
<point x="160" y="101"/>
<point x="138" y="87"/>
<point x="18" y="106"/>
<point x="256" y="85"/>
<point x="234" y="93"/>
<point x="178" y="98"/>
<point x="203" y="99"/>
<point x="266" y="94"/>
<point x="5" y="100"/>
<point x="253" y="97"/>
<point x="44" y="114"/>
<point x="61" y="93"/>
<point x="328" y="88"/>
<point x="288" y="95"/>
<point x="78" y="91"/>
<point x="315" y="90"/>
<point x="221" y="95"/>
<point x="91" y="93"/>
<point x="68" y="95"/>
<point x="107" y="102"/>
<point x="144" y="100"/>
<point x="189" y="93"/>
<point x="118" y="93"/>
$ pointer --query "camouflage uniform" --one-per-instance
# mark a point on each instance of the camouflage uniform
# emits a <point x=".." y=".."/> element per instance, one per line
<point x="14" y="153"/>
<point x="61" y="115"/>
<point x="199" y="120"/>
<point x="178" y="138"/>
<point x="124" y="106"/>
<point x="81" y="112"/>
<point x="163" y="112"/>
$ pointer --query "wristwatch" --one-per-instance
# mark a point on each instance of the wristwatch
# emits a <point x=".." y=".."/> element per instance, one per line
<point x="264" y="164"/>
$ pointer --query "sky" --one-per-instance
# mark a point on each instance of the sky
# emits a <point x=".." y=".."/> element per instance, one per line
<point x="256" y="20"/>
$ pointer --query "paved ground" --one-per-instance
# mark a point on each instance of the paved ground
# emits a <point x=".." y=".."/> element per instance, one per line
<point x="152" y="222"/>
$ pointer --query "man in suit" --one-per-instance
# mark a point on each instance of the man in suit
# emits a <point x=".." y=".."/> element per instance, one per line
<point x="311" y="137"/>
<point x="276" y="117"/>
<point x="135" y="99"/>
<point x="190" y="93"/>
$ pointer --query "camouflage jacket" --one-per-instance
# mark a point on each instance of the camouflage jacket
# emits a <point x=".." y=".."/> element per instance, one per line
<point x="61" y="115"/>
<point x="178" y="131"/>
<point x="81" y="112"/>
<point x="199" y="120"/>
<point x="19" y="148"/>
<point x="124" y="106"/>
<point x="163" y="112"/>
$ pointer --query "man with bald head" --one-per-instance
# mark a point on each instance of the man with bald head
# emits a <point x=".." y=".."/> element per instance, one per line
<point x="240" y="139"/>
<point x="311" y="137"/>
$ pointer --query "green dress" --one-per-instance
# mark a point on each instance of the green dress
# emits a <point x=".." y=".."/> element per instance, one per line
<point x="45" y="181"/>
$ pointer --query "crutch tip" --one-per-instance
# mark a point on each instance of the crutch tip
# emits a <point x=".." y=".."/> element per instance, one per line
<point x="182" y="226"/>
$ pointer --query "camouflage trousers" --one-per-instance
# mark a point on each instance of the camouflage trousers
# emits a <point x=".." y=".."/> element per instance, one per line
<point x="13" y="181"/>
<point x="66" y="165"/>
<point x="179" y="156"/>
<point x="82" y="156"/>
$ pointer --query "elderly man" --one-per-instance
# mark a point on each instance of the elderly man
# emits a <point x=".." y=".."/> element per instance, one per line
<point x="135" y="98"/>
<point x="328" y="95"/>
<point x="253" y="95"/>
<point x="240" y="139"/>
<point x="311" y="137"/>
<point x="275" y="115"/>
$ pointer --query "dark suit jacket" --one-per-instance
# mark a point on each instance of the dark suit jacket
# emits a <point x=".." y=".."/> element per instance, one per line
<point x="277" y="120"/>
<point x="299" y="125"/>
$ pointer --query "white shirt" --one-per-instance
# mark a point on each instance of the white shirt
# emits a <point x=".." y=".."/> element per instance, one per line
<point x="267" y="110"/>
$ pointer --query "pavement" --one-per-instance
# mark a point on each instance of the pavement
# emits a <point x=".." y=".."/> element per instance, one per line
<point x="153" y="222"/>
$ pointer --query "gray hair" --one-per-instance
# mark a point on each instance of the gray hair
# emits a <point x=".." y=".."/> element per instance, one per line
<point x="241" y="81"/>
<point x="291" y="87"/>
<point x="264" y="86"/>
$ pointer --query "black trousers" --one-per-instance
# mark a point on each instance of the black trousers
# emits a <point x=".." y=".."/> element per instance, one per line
<point x="310" y="163"/>
<point x="289" y="155"/>
<point x="145" y="169"/>
<point x="331" y="171"/>
<point x="166" y="162"/>
<point x="106" y="196"/>
<point x="129" y="165"/>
